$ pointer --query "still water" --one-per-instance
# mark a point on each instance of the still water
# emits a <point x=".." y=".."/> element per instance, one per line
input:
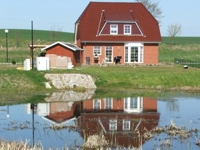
<point x="123" y="121"/>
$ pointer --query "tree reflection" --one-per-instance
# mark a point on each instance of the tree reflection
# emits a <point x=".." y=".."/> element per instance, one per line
<point x="172" y="106"/>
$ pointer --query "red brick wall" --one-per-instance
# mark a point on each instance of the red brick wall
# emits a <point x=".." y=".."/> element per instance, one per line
<point x="150" y="52"/>
<point x="149" y="104"/>
<point x="118" y="50"/>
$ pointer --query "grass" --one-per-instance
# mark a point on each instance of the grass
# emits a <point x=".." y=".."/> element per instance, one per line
<point x="168" y="54"/>
<point x="15" y="83"/>
<point x="114" y="78"/>
<point x="181" y="40"/>
<point x="23" y="38"/>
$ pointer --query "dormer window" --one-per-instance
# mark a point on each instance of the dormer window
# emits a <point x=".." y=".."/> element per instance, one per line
<point x="127" y="29"/>
<point x="113" y="29"/>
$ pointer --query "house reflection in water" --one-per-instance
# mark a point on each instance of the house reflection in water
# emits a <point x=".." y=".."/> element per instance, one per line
<point x="121" y="120"/>
<point x="62" y="112"/>
<point x="57" y="112"/>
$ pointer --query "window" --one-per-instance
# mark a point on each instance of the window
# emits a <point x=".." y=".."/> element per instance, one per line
<point x="113" y="29"/>
<point x="141" y="54"/>
<point x="109" y="54"/>
<point x="133" y="54"/>
<point x="133" y="104"/>
<point x="97" y="104"/>
<point x="97" y="50"/>
<point x="108" y="103"/>
<point x="113" y="124"/>
<point x="126" y="124"/>
<point x="127" y="29"/>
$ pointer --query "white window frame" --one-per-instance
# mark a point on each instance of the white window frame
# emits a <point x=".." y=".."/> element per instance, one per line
<point x="108" y="103"/>
<point x="113" y="29"/>
<point x="127" y="52"/>
<point x="97" y="104"/>
<point x="127" y="31"/>
<point x="126" y="125"/>
<point x="109" y="59"/>
<point x="112" y="124"/>
<point x="97" y="50"/>
<point x="129" y="106"/>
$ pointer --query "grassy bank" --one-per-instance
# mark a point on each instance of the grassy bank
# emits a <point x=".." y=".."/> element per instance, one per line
<point x="114" y="76"/>
<point x="14" y="83"/>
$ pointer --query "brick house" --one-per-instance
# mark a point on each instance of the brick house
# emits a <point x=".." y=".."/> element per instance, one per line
<point x="121" y="32"/>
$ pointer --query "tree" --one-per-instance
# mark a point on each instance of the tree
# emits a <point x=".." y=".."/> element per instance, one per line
<point x="17" y="39"/>
<point x="55" y="33"/>
<point x="173" y="30"/>
<point x="152" y="8"/>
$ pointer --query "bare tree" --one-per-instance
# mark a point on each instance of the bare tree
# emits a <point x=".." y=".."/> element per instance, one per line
<point x="172" y="105"/>
<point x="173" y="30"/>
<point x="153" y="8"/>
<point x="54" y="34"/>
<point x="17" y="39"/>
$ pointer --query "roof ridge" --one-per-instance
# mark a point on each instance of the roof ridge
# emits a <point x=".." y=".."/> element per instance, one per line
<point x="110" y="2"/>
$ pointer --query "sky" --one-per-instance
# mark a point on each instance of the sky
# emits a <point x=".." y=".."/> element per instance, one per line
<point x="61" y="15"/>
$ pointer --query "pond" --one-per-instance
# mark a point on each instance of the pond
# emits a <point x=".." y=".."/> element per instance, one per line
<point x="139" y="122"/>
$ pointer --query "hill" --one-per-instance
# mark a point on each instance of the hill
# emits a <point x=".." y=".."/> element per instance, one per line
<point x="21" y="38"/>
<point x="19" y="41"/>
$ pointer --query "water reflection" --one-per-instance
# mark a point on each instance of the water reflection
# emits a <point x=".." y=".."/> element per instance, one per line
<point x="173" y="105"/>
<point x="122" y="120"/>
<point x="70" y="96"/>
<point x="8" y="115"/>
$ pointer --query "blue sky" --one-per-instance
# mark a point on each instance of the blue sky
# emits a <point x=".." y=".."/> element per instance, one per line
<point x="61" y="15"/>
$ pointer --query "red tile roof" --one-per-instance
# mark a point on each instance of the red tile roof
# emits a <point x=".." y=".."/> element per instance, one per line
<point x="90" y="21"/>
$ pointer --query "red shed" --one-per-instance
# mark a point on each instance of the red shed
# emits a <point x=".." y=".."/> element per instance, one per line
<point x="64" y="49"/>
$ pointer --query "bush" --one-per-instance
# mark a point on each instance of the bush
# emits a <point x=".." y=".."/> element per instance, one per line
<point x="13" y="62"/>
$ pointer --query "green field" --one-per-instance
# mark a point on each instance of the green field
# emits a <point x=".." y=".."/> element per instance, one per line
<point x="20" y="40"/>
<point x="23" y="38"/>
<point x="182" y="40"/>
